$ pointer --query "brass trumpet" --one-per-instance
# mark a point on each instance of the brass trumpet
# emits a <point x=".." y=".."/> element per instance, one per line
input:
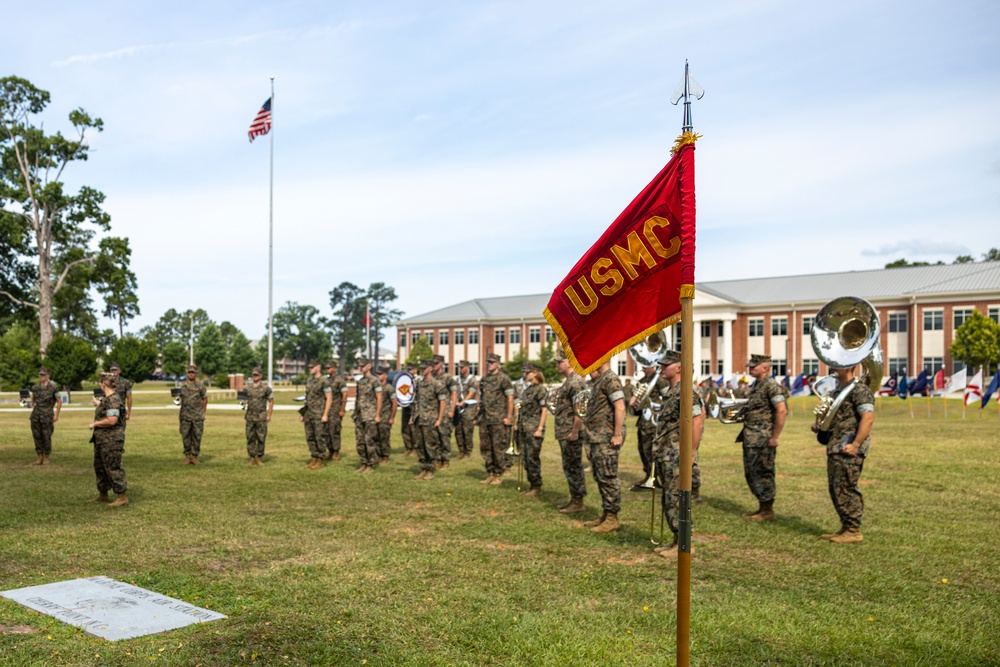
<point x="727" y="410"/>
<point x="652" y="485"/>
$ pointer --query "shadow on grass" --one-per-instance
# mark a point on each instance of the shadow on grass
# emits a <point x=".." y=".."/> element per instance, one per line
<point x="791" y="522"/>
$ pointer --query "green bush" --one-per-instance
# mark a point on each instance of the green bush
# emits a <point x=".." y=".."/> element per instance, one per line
<point x="70" y="360"/>
<point x="136" y="357"/>
<point x="18" y="357"/>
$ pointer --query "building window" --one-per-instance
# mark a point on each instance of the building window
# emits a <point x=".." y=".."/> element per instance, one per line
<point x="459" y="336"/>
<point x="779" y="367"/>
<point x="515" y="336"/>
<point x="933" y="364"/>
<point x="706" y="367"/>
<point x="779" y="327"/>
<point x="429" y="335"/>
<point x="443" y="337"/>
<point x="535" y="335"/>
<point x="706" y="329"/>
<point x="719" y="367"/>
<point x="500" y="336"/>
<point x="756" y="326"/>
<point x="897" y="365"/>
<point x="720" y="329"/>
<point x="457" y="371"/>
<point x="677" y="336"/>
<point x="957" y="365"/>
<point x="550" y="335"/>
<point x="807" y="324"/>
<point x="933" y="320"/>
<point x="810" y="366"/>
<point x="995" y="315"/>
<point x="622" y="367"/>
<point x="473" y="336"/>
<point x="474" y="368"/>
<point x="415" y="336"/>
<point x="961" y="315"/>
<point x="897" y="322"/>
<point x="402" y="340"/>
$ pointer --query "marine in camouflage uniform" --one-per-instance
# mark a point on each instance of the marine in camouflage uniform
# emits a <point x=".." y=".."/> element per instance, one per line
<point x="387" y="416"/>
<point x="846" y="452"/>
<point x="493" y="414"/>
<point x="45" y="407"/>
<point x="570" y="434"/>
<point x="314" y="415"/>
<point x="645" y="428"/>
<point x="260" y="403"/>
<point x="428" y="412"/>
<point x="447" y="424"/>
<point x="109" y="444"/>
<point x="605" y="424"/>
<point x="764" y="418"/>
<point x="123" y="388"/>
<point x="194" y="398"/>
<point x="667" y="443"/>
<point x="367" y="408"/>
<point x="531" y="426"/>
<point x="338" y="406"/>
<point x="468" y="391"/>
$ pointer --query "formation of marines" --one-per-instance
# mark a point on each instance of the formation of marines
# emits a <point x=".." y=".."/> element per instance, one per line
<point x="589" y="417"/>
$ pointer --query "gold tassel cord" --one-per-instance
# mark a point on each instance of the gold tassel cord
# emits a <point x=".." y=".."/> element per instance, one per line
<point x="683" y="140"/>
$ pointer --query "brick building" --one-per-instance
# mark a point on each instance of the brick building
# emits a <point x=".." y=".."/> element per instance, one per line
<point x="919" y="308"/>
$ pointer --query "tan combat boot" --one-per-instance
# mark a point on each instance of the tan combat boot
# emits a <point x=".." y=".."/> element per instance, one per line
<point x="849" y="536"/>
<point x="429" y="475"/>
<point x="497" y="481"/>
<point x="312" y="463"/>
<point x="533" y="492"/>
<point x="336" y="456"/>
<point x="251" y="462"/>
<point x="766" y="513"/>
<point x="829" y="536"/>
<point x="38" y="461"/>
<point x="194" y="460"/>
<point x="489" y="478"/>
<point x="258" y="461"/>
<point x="596" y="522"/>
<point x="574" y="506"/>
<point x="610" y="524"/>
<point x="101" y="498"/>
<point x="45" y="459"/>
<point x="187" y="460"/>
<point x="747" y="515"/>
<point x="120" y="500"/>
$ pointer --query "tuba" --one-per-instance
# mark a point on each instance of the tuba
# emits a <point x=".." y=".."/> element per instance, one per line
<point x="728" y="410"/>
<point x="845" y="334"/>
<point x="647" y="352"/>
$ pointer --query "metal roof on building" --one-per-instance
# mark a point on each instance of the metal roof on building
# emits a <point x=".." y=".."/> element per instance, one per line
<point x="874" y="285"/>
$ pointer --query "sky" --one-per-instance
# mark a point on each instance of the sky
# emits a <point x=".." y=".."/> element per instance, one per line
<point x="460" y="150"/>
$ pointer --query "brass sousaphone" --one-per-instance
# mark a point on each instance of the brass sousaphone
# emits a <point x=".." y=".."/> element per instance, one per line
<point x="845" y="334"/>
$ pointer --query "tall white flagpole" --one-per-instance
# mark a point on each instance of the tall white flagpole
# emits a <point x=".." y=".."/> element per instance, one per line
<point x="270" y="258"/>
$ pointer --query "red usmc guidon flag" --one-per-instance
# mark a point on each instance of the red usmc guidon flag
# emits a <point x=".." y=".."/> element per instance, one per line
<point x="629" y="284"/>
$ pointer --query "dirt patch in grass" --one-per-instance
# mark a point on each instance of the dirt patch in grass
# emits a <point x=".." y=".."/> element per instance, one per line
<point x="17" y="629"/>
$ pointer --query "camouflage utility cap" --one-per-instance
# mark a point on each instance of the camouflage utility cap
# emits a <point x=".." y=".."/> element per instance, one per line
<point x="256" y="372"/>
<point x="493" y="358"/>
<point x="192" y="369"/>
<point x="438" y="359"/>
<point x="670" y="357"/>
<point x="758" y="359"/>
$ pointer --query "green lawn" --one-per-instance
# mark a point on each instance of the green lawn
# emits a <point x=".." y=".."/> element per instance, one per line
<point x="330" y="568"/>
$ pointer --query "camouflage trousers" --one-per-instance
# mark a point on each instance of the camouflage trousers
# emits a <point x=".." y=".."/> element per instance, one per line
<point x="191" y="432"/>
<point x="334" y="425"/>
<point x="463" y="432"/>
<point x="256" y="431"/>
<point x="695" y="474"/>
<point x="645" y="434"/>
<point x="427" y="440"/>
<point x="108" y="465"/>
<point x="444" y="435"/>
<point x="316" y="437"/>
<point x="758" y="468"/>
<point x="843" y="473"/>
<point x="366" y="442"/>
<point x="41" y="431"/>
<point x="668" y="473"/>
<point x="604" y="459"/>
<point x="531" y="454"/>
<point x="572" y="464"/>
<point x="384" y="439"/>
<point x="493" y="441"/>
<point x="406" y="430"/>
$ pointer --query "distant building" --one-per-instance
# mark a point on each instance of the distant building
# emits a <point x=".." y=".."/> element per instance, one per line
<point x="919" y="309"/>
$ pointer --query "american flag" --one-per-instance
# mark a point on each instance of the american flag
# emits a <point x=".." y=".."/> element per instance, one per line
<point x="262" y="122"/>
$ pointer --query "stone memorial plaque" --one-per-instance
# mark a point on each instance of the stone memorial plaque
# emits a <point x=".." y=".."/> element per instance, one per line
<point x="110" y="609"/>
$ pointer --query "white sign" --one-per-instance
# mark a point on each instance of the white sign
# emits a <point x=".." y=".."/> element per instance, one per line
<point x="110" y="609"/>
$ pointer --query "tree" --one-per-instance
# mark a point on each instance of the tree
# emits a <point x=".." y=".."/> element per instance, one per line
<point x="964" y="259"/>
<point x="242" y="357"/>
<point x="902" y="263"/>
<point x="228" y="331"/>
<point x="137" y="357"/>
<point x="48" y="222"/>
<point x="419" y="351"/>
<point x="18" y="356"/>
<point x="378" y="297"/>
<point x="174" y="358"/>
<point x="210" y="350"/>
<point x="513" y="367"/>
<point x="71" y="360"/>
<point x="176" y="326"/>
<point x="300" y="333"/>
<point x="547" y="361"/>
<point x="977" y="341"/>
<point x="992" y="256"/>
<point x="115" y="281"/>
<point x="347" y="326"/>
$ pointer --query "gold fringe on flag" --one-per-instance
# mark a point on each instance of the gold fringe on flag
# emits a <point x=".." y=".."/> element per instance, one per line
<point x="684" y="140"/>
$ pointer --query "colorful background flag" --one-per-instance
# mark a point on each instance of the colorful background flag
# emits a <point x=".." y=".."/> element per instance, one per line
<point x="799" y="386"/>
<point x="920" y="384"/>
<point x="629" y="284"/>
<point x="261" y="124"/>
<point x="889" y="388"/>
<point x="956" y="382"/>
<point x="939" y="381"/>
<point x="902" y="386"/>
<point x="992" y="388"/>
<point x="974" y="390"/>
